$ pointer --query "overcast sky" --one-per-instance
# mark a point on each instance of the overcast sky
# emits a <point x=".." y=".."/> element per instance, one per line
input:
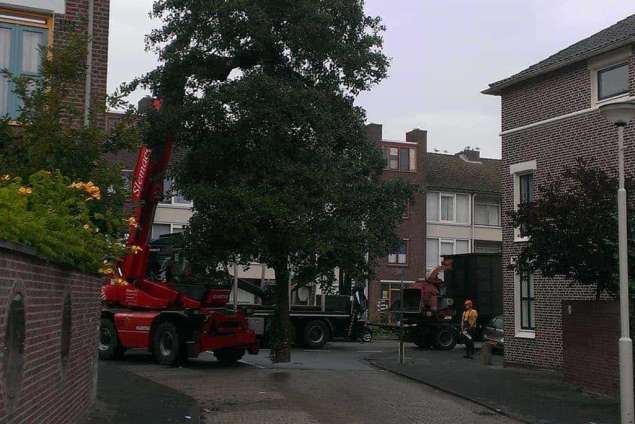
<point x="444" y="52"/>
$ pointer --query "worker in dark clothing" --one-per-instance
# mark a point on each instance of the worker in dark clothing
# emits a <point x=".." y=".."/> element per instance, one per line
<point x="468" y="328"/>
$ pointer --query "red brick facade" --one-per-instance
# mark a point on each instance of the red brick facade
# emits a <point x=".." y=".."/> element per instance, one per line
<point x="76" y="19"/>
<point x="552" y="145"/>
<point x="56" y="380"/>
<point x="413" y="226"/>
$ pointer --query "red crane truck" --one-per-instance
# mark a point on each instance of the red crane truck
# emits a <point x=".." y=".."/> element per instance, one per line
<point x="143" y="313"/>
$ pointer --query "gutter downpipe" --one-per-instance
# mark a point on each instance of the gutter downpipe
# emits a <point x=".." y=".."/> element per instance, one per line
<point x="473" y="219"/>
<point x="89" y="62"/>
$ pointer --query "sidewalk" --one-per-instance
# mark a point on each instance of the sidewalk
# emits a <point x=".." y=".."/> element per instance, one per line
<point x="530" y="396"/>
<point x="125" y="398"/>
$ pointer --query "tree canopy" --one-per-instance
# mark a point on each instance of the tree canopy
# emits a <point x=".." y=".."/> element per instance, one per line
<point x="276" y="158"/>
<point x="572" y="228"/>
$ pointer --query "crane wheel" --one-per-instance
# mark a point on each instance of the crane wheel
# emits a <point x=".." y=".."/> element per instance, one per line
<point x="110" y="347"/>
<point x="166" y="343"/>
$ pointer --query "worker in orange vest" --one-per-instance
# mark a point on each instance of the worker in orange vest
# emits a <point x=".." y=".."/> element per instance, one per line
<point x="468" y="327"/>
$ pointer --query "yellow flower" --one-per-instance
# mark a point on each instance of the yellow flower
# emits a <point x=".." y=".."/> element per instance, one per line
<point x="5" y="177"/>
<point x="86" y="227"/>
<point x="132" y="222"/>
<point x="136" y="249"/>
<point x="119" y="281"/>
<point x="25" y="191"/>
<point x="106" y="270"/>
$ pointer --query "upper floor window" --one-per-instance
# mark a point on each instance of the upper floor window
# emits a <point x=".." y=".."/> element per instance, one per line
<point x="172" y="197"/>
<point x="401" y="158"/>
<point x="400" y="255"/>
<point x="523" y="175"/>
<point x="487" y="214"/>
<point x="20" y="53"/>
<point x="448" y="207"/>
<point x="612" y="81"/>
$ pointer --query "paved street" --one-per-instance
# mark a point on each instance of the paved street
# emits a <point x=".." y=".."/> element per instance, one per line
<point x="334" y="385"/>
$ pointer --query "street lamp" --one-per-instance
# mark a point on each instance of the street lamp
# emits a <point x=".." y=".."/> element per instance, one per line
<point x="621" y="114"/>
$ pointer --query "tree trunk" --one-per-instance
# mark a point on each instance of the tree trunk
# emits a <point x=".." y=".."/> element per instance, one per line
<point x="280" y="348"/>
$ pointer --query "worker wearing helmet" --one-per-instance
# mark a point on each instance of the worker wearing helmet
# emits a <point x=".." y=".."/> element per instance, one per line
<point x="468" y="327"/>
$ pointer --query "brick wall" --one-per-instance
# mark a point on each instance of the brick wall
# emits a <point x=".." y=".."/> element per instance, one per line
<point x="552" y="145"/>
<point x="590" y="336"/>
<point x="412" y="228"/>
<point x="557" y="93"/>
<point x="76" y="19"/>
<point x="49" y="388"/>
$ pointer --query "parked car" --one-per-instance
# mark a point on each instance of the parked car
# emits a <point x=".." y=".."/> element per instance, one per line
<point x="494" y="332"/>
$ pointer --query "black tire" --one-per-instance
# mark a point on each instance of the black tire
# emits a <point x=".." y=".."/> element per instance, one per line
<point x="316" y="334"/>
<point x="167" y="344"/>
<point x="110" y="348"/>
<point x="229" y="355"/>
<point x="445" y="338"/>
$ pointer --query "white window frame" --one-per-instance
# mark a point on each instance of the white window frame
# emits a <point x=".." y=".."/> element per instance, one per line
<point x="446" y="240"/>
<point x="516" y="170"/>
<point x="453" y="221"/>
<point x="518" y="331"/>
<point x="618" y="57"/>
<point x="397" y="255"/>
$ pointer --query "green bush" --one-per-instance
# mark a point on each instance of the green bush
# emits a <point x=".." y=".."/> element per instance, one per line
<point x="53" y="215"/>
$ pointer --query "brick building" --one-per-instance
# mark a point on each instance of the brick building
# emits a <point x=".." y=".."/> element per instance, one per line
<point x="550" y="117"/>
<point x="405" y="160"/>
<point x="48" y="313"/>
<point x="26" y="25"/>
<point x="457" y="211"/>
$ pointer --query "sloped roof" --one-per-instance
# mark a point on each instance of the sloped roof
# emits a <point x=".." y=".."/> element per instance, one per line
<point x="450" y="172"/>
<point x="620" y="34"/>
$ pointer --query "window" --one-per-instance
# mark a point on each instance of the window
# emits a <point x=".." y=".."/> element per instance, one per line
<point x="172" y="197"/>
<point x="523" y="177"/>
<point x="527" y="308"/>
<point x="20" y="54"/>
<point x="487" y="214"/>
<point x="401" y="158"/>
<point x="399" y="256"/>
<point x="612" y="81"/>
<point x="160" y="229"/>
<point x="432" y="253"/>
<point x="526" y="188"/>
<point x="432" y="207"/>
<point x="448" y="207"/>
<point x="437" y="248"/>
<point x="462" y="208"/>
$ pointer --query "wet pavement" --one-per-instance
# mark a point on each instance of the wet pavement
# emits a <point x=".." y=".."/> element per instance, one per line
<point x="331" y="386"/>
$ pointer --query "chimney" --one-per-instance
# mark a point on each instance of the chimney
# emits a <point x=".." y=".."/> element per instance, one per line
<point x="470" y="155"/>
<point x="418" y="136"/>
<point x="374" y="132"/>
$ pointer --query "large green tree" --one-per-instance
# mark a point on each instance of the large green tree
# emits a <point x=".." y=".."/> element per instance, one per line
<point x="260" y="97"/>
<point x="572" y="228"/>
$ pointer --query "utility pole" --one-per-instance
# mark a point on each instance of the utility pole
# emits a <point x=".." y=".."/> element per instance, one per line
<point x="402" y="350"/>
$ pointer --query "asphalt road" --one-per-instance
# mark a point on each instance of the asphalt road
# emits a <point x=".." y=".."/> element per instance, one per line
<point x="331" y="386"/>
